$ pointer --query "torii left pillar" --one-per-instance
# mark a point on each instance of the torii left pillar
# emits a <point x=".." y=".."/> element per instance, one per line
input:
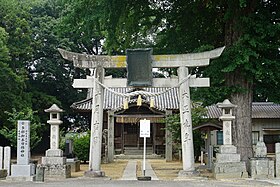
<point x="96" y="126"/>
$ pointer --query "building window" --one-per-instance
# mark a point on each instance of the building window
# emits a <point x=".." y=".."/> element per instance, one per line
<point x="270" y="141"/>
<point x="255" y="137"/>
<point x="219" y="137"/>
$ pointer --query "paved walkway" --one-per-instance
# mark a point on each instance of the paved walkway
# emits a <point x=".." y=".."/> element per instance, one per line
<point x="130" y="172"/>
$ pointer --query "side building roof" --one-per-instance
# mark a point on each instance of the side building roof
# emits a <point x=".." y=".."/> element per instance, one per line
<point x="260" y="110"/>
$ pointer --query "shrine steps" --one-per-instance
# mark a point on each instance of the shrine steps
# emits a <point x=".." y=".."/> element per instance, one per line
<point x="137" y="153"/>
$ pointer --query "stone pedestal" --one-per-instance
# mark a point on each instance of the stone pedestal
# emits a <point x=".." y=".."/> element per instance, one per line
<point x="228" y="164"/>
<point x="57" y="171"/>
<point x="54" y="153"/>
<point x="22" y="170"/>
<point x="230" y="170"/>
<point x="261" y="168"/>
<point x="74" y="163"/>
<point x="93" y="174"/>
<point x="55" y="166"/>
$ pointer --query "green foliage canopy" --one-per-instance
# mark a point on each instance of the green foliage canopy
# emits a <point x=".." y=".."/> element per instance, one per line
<point x="9" y="131"/>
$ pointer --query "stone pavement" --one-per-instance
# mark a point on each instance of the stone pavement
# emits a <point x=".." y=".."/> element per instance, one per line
<point x="130" y="172"/>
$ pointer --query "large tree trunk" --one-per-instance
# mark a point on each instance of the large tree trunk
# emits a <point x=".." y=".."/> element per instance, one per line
<point x="242" y="125"/>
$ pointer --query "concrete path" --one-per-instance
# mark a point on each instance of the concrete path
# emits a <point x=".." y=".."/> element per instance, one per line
<point x="131" y="170"/>
<point x="149" y="170"/>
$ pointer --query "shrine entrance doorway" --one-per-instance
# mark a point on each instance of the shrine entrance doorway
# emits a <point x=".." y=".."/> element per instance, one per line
<point x="127" y="131"/>
<point x="131" y="135"/>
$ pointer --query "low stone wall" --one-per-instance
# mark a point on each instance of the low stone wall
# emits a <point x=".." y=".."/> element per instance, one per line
<point x="3" y="174"/>
<point x="262" y="168"/>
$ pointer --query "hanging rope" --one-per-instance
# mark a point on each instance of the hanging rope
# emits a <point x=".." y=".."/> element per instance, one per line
<point x="140" y="92"/>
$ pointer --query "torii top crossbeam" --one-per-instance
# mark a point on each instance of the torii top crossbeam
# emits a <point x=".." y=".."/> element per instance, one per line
<point x="158" y="61"/>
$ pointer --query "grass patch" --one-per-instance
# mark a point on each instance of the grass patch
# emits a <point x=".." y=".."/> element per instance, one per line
<point x="112" y="170"/>
<point x="166" y="170"/>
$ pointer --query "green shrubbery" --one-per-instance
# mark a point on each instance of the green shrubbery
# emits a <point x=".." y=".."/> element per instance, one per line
<point x="81" y="144"/>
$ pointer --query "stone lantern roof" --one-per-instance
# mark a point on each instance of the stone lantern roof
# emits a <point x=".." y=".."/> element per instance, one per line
<point x="54" y="108"/>
<point x="226" y="104"/>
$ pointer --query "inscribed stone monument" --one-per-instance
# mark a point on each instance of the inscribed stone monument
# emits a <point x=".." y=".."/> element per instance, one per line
<point x="23" y="170"/>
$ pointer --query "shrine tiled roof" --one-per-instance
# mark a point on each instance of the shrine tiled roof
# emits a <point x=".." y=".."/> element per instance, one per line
<point x="170" y="101"/>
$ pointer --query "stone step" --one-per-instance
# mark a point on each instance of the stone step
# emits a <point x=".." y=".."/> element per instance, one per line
<point x="137" y="151"/>
<point x="138" y="148"/>
<point x="150" y="156"/>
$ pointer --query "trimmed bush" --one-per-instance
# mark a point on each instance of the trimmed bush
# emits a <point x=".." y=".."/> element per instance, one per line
<point x="81" y="146"/>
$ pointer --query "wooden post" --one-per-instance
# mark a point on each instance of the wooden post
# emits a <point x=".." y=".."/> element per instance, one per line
<point x="111" y="149"/>
<point x="168" y="140"/>
<point x="154" y="129"/>
<point x="122" y="138"/>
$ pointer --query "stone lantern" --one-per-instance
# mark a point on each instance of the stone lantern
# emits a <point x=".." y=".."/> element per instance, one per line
<point x="54" y="121"/>
<point x="228" y="164"/>
<point x="54" y="162"/>
<point x="227" y="118"/>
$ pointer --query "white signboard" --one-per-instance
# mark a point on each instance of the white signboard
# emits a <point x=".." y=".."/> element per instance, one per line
<point x="145" y="128"/>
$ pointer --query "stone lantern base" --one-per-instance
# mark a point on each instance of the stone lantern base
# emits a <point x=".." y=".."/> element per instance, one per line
<point x="55" y="165"/>
<point x="230" y="170"/>
<point x="228" y="164"/>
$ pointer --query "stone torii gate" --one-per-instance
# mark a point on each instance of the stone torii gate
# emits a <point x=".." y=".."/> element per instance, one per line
<point x="182" y="62"/>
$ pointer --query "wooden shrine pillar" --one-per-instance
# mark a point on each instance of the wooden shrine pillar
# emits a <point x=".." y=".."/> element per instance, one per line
<point x="111" y="136"/>
<point x="168" y="140"/>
